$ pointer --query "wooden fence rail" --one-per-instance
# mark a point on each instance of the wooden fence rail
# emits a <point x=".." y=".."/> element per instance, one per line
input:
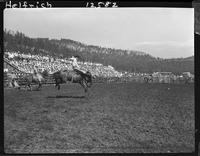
<point x="49" y="80"/>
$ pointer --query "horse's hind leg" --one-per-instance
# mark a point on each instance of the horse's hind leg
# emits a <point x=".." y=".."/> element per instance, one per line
<point x="29" y="85"/>
<point x="83" y="84"/>
<point x="58" y="86"/>
<point x="85" y="89"/>
<point x="56" y="83"/>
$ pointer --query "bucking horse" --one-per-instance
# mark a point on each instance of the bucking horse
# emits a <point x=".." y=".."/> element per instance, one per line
<point x="64" y="76"/>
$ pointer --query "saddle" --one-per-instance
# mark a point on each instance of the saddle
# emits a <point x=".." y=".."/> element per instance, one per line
<point x="81" y="72"/>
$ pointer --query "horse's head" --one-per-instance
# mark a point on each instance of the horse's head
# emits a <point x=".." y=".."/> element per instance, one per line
<point x="88" y="78"/>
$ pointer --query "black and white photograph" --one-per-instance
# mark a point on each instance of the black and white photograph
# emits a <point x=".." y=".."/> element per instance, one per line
<point x="99" y="80"/>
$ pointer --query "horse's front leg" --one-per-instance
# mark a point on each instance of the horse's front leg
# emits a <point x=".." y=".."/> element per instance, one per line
<point x="39" y="86"/>
<point x="83" y="84"/>
<point x="28" y="86"/>
<point x="58" y="86"/>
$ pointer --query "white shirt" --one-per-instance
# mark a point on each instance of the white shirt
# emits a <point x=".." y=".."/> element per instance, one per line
<point x="74" y="62"/>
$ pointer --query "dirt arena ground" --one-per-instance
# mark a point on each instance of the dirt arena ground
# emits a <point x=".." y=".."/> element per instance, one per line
<point x="116" y="117"/>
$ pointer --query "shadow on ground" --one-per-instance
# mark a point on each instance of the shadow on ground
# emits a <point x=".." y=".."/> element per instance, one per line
<point x="69" y="96"/>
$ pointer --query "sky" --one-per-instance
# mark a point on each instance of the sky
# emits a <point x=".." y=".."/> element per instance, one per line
<point x="160" y="32"/>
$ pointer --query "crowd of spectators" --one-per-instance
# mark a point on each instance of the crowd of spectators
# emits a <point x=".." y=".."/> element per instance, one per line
<point x="26" y="62"/>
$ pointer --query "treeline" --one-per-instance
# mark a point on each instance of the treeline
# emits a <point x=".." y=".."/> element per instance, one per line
<point x="121" y="60"/>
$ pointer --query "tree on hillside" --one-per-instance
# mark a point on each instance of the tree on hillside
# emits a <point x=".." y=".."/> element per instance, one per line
<point x="120" y="59"/>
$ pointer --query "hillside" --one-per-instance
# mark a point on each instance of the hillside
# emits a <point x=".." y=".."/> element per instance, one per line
<point x="122" y="60"/>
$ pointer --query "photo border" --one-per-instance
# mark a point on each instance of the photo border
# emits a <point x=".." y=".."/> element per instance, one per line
<point x="82" y="4"/>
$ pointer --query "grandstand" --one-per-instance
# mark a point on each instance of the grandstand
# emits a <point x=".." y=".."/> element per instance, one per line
<point x="25" y="63"/>
<point x="21" y="64"/>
